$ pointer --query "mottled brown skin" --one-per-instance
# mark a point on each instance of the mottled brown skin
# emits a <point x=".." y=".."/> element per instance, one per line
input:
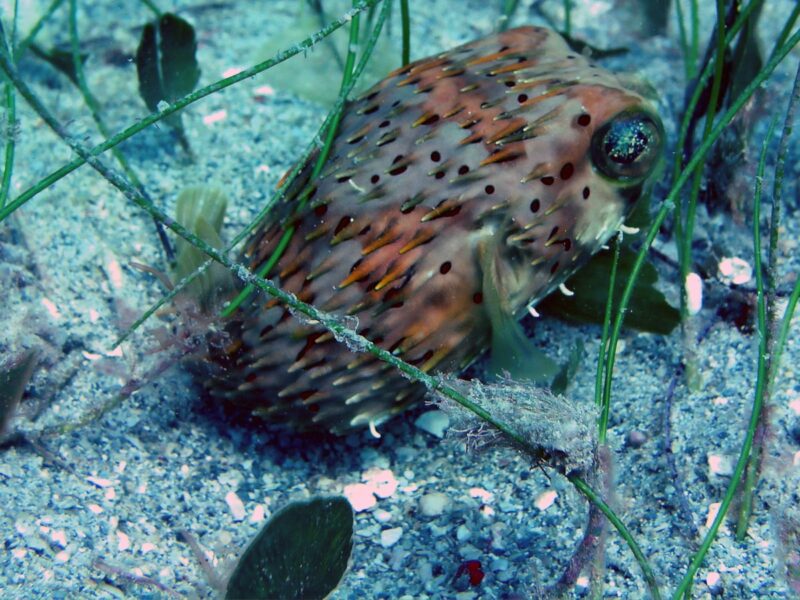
<point x="471" y="163"/>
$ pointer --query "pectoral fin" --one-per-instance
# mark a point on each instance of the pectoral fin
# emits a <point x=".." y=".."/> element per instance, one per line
<point x="201" y="209"/>
<point x="511" y="351"/>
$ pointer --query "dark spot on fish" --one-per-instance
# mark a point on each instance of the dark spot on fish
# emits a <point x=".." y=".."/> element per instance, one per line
<point x="584" y="119"/>
<point x="571" y="56"/>
<point x="343" y="222"/>
<point x="371" y="109"/>
<point x="436" y="156"/>
<point x="510" y="83"/>
<point x="522" y="98"/>
<point x="566" y="171"/>
<point x="266" y="330"/>
<point x="385" y="124"/>
<point x="554" y="268"/>
<point x="502" y="49"/>
<point x="356" y="264"/>
<point x="251" y="377"/>
<point x="548" y="180"/>
<point x="535" y="205"/>
<point x="586" y="193"/>
<point x="463" y="170"/>
<point x="398" y="170"/>
<point x="311" y="339"/>
<point x="567" y="243"/>
<point x="320" y="210"/>
<point x="489" y="189"/>
<point x="477" y="298"/>
<point x="425" y="357"/>
<point x="439" y="174"/>
<point x="375" y="179"/>
<point x="365" y="230"/>
<point x="553" y="233"/>
<point x="445" y="267"/>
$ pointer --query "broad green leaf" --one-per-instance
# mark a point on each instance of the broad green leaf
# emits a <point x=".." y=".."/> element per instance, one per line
<point x="647" y="311"/>
<point x="167" y="66"/>
<point x="302" y="552"/>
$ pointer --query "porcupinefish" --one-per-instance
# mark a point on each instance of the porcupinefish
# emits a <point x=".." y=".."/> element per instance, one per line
<point x="460" y="190"/>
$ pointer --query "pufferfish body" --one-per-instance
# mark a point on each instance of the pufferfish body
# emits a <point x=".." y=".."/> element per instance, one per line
<point x="460" y="190"/>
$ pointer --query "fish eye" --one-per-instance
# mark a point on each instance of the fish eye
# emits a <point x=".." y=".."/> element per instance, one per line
<point x="628" y="146"/>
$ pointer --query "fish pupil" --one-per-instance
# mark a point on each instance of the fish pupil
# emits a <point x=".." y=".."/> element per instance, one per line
<point x="628" y="146"/>
<point x="625" y="142"/>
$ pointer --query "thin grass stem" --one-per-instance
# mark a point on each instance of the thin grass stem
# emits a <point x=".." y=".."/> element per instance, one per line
<point x="695" y="41"/>
<point x="688" y="115"/>
<point x="601" y="360"/>
<point x="94" y="109"/>
<point x="669" y="202"/>
<point x="280" y="193"/>
<point x="568" y="18"/>
<point x="741" y="463"/>
<point x="152" y="6"/>
<point x="594" y="498"/>
<point x="787" y="28"/>
<point x="179" y="104"/>
<point x="768" y="306"/>
<point x="348" y="80"/>
<point x="509" y="8"/>
<point x="28" y="40"/>
<point x="688" y="68"/>
<point x="11" y="120"/>
<point x="406" y="23"/>
<point x="685" y="243"/>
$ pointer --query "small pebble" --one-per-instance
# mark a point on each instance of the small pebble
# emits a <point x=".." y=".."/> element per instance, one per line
<point x="434" y="422"/>
<point x="719" y="464"/>
<point x="389" y="537"/>
<point x="382" y="516"/>
<point x="635" y="439"/>
<point x="433" y="504"/>
<point x="236" y="506"/>
<point x="463" y="533"/>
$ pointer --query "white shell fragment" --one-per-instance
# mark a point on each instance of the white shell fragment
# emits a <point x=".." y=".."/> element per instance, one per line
<point x="694" y="293"/>
<point x="434" y="422"/>
<point x="734" y="270"/>
<point x="389" y="537"/>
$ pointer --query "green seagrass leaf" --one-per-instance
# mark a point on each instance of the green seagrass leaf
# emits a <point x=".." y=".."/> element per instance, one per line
<point x="165" y="60"/>
<point x="302" y="552"/>
<point x="648" y="310"/>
